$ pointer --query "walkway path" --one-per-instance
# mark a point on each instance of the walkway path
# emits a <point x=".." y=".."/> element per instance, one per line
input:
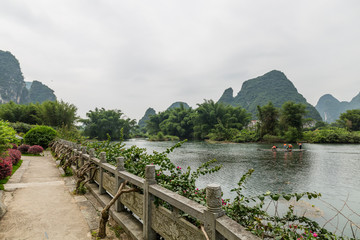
<point x="40" y="205"/>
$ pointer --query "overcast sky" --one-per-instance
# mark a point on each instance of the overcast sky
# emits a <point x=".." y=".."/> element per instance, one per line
<point x="131" y="55"/>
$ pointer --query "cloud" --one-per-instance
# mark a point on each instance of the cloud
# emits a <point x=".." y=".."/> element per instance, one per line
<point x="132" y="55"/>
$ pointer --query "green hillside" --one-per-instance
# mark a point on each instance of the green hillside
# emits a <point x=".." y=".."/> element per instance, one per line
<point x="274" y="86"/>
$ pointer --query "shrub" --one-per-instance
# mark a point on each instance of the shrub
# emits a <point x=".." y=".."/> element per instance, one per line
<point x="14" y="146"/>
<point x="5" y="167"/>
<point x="23" y="148"/>
<point x="21" y="127"/>
<point x="40" y="135"/>
<point x="36" y="149"/>
<point x="7" y="135"/>
<point x="15" y="155"/>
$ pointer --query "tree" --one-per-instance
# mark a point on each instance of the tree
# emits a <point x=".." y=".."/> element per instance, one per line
<point x="269" y="119"/>
<point x="291" y="120"/>
<point x="153" y="124"/>
<point x="350" y="120"/>
<point x="215" y="117"/>
<point x="179" y="122"/>
<point x="102" y="123"/>
<point x="57" y="114"/>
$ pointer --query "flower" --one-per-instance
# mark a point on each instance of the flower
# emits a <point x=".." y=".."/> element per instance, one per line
<point x="315" y="235"/>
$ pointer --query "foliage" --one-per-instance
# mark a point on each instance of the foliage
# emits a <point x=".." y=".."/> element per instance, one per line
<point x="246" y="136"/>
<point x="272" y="139"/>
<point x="292" y="119"/>
<point x="71" y="133"/>
<point x="40" y="135"/>
<point x="161" y="137"/>
<point x="55" y="114"/>
<point x="331" y="135"/>
<point x="167" y="174"/>
<point x="350" y="120"/>
<point x="101" y="123"/>
<point x="6" y="179"/>
<point x="268" y="117"/>
<point x="251" y="212"/>
<point x="5" y="167"/>
<point x="15" y="155"/>
<point x="36" y="149"/>
<point x="215" y="118"/>
<point x="7" y="135"/>
<point x="20" y="127"/>
<point x="23" y="148"/>
<point x="179" y="122"/>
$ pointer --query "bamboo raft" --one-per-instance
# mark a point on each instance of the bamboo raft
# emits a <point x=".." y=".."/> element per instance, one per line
<point x="282" y="150"/>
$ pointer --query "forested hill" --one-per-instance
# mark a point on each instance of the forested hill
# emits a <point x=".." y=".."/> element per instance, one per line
<point x="330" y="108"/>
<point x="274" y="86"/>
<point x="13" y="87"/>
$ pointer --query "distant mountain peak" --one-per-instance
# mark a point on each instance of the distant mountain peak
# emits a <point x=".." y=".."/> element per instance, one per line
<point x="227" y="97"/>
<point x="273" y="86"/>
<point x="14" y="88"/>
<point x="331" y="108"/>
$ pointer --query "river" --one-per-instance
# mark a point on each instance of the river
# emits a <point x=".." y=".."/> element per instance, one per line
<point x="330" y="169"/>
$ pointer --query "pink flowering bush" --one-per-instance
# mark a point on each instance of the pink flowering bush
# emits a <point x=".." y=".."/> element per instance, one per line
<point x="36" y="149"/>
<point x="23" y="148"/>
<point x="15" y="155"/>
<point x="14" y="146"/>
<point x="5" y="167"/>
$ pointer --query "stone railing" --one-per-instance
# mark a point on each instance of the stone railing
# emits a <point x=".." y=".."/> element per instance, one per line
<point x="139" y="216"/>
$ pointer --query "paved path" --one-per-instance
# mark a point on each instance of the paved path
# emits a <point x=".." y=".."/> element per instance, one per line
<point x="40" y="205"/>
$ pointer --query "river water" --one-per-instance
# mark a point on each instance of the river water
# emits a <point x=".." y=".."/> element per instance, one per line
<point x="329" y="169"/>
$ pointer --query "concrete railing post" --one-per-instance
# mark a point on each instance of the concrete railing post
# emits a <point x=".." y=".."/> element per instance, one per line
<point x="148" y="232"/>
<point x="119" y="167"/>
<point x="101" y="180"/>
<point x="91" y="155"/>
<point x="83" y="152"/>
<point x="214" y="210"/>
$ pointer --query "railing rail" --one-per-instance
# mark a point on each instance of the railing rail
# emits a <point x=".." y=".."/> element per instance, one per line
<point x="157" y="220"/>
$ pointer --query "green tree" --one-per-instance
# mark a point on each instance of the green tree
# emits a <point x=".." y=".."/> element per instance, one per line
<point x="13" y="112"/>
<point x="216" y="118"/>
<point x="153" y="124"/>
<point x="102" y="123"/>
<point x="350" y="120"/>
<point x="57" y="114"/>
<point x="179" y="123"/>
<point x="268" y="116"/>
<point x="292" y="119"/>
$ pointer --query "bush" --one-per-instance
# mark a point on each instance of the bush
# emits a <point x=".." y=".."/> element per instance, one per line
<point x="7" y="135"/>
<point x="14" y="146"/>
<point x="23" y="148"/>
<point x="5" y="167"/>
<point x="15" y="155"/>
<point x="40" y="135"/>
<point x="21" y="127"/>
<point x="36" y="149"/>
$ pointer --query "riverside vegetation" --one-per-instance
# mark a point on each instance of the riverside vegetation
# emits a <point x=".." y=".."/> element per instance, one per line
<point x="249" y="211"/>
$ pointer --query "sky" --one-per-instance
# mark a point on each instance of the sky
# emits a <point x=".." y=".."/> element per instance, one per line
<point x="132" y="55"/>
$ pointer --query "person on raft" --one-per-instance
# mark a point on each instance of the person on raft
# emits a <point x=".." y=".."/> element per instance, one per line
<point x="290" y="147"/>
<point x="274" y="148"/>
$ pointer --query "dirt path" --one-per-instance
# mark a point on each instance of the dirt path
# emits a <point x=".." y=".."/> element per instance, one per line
<point x="40" y="205"/>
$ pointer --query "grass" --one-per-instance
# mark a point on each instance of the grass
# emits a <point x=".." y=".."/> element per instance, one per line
<point x="5" y="180"/>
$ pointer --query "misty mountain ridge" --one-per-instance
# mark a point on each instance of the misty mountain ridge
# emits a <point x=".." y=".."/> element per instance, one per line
<point x="14" y="88"/>
<point x="331" y="108"/>
<point x="273" y="86"/>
